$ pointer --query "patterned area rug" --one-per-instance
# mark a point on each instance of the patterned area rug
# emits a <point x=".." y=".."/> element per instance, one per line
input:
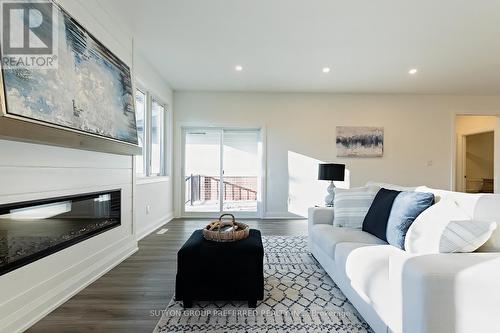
<point x="299" y="297"/>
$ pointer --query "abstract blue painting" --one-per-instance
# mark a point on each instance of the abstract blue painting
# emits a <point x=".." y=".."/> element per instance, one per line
<point x="89" y="91"/>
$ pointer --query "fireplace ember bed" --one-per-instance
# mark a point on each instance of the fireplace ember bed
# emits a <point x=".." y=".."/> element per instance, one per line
<point x="35" y="229"/>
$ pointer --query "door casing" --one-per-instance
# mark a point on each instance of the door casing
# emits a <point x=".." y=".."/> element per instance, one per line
<point x="260" y="181"/>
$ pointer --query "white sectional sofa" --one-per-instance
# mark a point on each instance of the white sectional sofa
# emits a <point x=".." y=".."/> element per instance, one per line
<point x="396" y="291"/>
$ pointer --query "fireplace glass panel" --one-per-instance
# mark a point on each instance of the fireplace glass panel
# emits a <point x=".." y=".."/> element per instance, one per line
<point x="35" y="229"/>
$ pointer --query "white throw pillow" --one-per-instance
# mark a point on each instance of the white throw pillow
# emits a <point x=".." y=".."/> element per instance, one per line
<point x="445" y="228"/>
<point x="351" y="205"/>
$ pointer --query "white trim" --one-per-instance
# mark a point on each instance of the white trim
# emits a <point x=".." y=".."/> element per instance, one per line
<point x="262" y="192"/>
<point x="496" y="157"/>
<point x="179" y="171"/>
<point x="150" y="180"/>
<point x="134" y="158"/>
<point x="463" y="165"/>
<point x="463" y="157"/>
<point x="155" y="225"/>
<point x="138" y="87"/>
<point x="454" y="147"/>
<point x="221" y="172"/>
<point x="164" y="120"/>
<point x="143" y="86"/>
<point x="35" y="309"/>
<point x="169" y="139"/>
<point x="181" y="128"/>
<point x="150" y="97"/>
<point x="134" y="193"/>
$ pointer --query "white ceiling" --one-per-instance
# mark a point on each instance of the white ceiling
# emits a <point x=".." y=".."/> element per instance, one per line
<point x="284" y="44"/>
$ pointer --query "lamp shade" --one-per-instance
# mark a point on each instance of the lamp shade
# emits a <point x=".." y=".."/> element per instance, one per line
<point x="331" y="171"/>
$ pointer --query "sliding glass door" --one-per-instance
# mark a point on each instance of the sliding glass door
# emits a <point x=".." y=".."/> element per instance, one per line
<point x="202" y="165"/>
<point x="221" y="171"/>
<point x="240" y="170"/>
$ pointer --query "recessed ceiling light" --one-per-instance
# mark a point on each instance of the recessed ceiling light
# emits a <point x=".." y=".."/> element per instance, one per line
<point x="326" y="69"/>
<point x="238" y="68"/>
<point x="413" y="71"/>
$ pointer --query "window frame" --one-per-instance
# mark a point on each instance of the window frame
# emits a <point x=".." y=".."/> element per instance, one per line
<point x="144" y="174"/>
<point x="163" y="145"/>
<point x="148" y="175"/>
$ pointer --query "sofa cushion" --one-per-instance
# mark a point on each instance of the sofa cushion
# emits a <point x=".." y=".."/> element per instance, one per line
<point x="406" y="208"/>
<point x="327" y="237"/>
<point x="367" y="268"/>
<point x="351" y="205"/>
<point x="376" y="219"/>
<point x="341" y="255"/>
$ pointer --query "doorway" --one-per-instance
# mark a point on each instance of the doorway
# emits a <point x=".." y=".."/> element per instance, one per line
<point x="479" y="162"/>
<point x="475" y="156"/>
<point x="221" y="172"/>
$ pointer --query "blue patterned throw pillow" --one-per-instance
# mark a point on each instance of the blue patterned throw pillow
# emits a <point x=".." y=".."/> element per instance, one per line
<point x="406" y="208"/>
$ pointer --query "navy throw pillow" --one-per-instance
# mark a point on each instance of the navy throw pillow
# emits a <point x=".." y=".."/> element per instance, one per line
<point x="376" y="219"/>
<point x="406" y="208"/>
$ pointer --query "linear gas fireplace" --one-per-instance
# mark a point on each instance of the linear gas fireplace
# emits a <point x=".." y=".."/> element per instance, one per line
<point x="35" y="229"/>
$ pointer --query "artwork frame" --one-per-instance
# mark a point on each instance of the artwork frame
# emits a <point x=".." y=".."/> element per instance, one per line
<point x="360" y="141"/>
<point x="14" y="126"/>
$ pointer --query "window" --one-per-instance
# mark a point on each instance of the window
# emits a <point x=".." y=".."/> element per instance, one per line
<point x="151" y="124"/>
<point x="157" y="124"/>
<point x="140" y="116"/>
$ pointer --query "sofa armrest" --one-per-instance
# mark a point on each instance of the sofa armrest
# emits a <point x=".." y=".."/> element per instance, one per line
<point x="320" y="215"/>
<point x="456" y="292"/>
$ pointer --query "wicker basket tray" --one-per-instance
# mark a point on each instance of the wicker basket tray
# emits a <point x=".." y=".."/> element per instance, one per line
<point x="213" y="231"/>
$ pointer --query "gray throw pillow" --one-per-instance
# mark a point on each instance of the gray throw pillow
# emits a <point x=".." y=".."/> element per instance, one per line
<point x="406" y="208"/>
<point x="351" y="205"/>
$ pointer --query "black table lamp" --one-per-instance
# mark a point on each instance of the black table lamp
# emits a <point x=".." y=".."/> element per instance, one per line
<point x="331" y="172"/>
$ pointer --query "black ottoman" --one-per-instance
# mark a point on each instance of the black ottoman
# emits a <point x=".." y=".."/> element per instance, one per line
<point x="213" y="271"/>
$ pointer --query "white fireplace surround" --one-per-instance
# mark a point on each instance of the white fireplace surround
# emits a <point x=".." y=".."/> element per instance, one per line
<point x="31" y="172"/>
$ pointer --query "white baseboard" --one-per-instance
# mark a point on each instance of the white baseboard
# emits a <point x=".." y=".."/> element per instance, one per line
<point x="71" y="284"/>
<point x="153" y="226"/>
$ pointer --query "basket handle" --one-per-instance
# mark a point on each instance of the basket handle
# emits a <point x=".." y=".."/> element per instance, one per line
<point x="233" y="220"/>
<point x="222" y="223"/>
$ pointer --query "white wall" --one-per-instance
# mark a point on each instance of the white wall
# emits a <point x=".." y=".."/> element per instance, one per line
<point x="156" y="194"/>
<point x="419" y="136"/>
<point x="29" y="171"/>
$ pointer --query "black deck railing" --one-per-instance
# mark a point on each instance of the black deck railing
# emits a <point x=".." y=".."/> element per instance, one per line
<point x="205" y="188"/>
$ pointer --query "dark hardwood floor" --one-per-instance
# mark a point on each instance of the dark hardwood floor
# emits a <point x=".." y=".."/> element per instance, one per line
<point x="124" y="298"/>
